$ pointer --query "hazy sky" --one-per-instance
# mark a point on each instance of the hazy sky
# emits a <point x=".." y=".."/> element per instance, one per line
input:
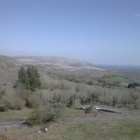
<point x="98" y="31"/>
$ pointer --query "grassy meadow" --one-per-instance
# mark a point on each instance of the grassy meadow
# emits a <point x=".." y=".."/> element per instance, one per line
<point x="91" y="130"/>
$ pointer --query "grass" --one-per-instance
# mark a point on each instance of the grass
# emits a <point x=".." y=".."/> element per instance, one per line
<point x="92" y="130"/>
<point x="129" y="129"/>
<point x="102" y="130"/>
<point x="13" y="115"/>
<point x="70" y="112"/>
<point x="120" y="79"/>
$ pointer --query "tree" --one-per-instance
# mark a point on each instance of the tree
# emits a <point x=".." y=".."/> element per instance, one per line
<point x="29" y="78"/>
<point x="23" y="77"/>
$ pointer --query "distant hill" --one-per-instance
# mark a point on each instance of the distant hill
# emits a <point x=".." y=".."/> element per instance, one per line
<point x="57" y="62"/>
<point x="9" y="66"/>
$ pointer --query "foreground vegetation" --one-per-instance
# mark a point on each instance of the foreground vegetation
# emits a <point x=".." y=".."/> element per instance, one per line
<point x="91" y="130"/>
<point x="14" y="115"/>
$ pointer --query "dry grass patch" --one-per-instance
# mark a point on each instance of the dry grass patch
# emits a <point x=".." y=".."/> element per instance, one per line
<point x="91" y="130"/>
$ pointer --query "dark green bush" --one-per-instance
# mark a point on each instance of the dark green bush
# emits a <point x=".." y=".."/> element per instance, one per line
<point x="88" y="110"/>
<point x="85" y="100"/>
<point x="134" y="98"/>
<point x="114" y="101"/>
<point x="44" y="115"/>
<point x="70" y="100"/>
<point x="36" y="117"/>
<point x="133" y="85"/>
<point x="3" y="108"/>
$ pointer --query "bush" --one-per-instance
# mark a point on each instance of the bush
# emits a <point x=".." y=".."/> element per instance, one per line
<point x="19" y="104"/>
<point x="71" y="100"/>
<point x="114" y="101"/>
<point x="52" y="112"/>
<point x="88" y="110"/>
<point x="35" y="117"/>
<point x="55" y="84"/>
<point x="2" y="92"/>
<point x="134" y="99"/>
<point x="3" y="108"/>
<point x="85" y="100"/>
<point x="56" y="98"/>
<point x="44" y="115"/>
<point x="34" y="101"/>
<point x="77" y="103"/>
<point x="14" y="103"/>
<point x="11" y="101"/>
<point x="133" y="85"/>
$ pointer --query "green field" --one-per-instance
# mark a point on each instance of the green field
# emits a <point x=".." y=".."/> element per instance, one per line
<point x="14" y="115"/>
<point x="114" y="79"/>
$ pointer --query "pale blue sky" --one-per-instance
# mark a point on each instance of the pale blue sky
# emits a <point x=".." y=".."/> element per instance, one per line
<point x="98" y="31"/>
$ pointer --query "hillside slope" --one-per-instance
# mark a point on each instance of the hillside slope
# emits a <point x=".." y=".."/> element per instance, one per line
<point x="57" y="62"/>
<point x="9" y="67"/>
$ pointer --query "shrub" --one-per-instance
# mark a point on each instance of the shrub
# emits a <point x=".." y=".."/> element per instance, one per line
<point x="94" y="96"/>
<point x="34" y="101"/>
<point x="77" y="103"/>
<point x="131" y="85"/>
<point x="89" y="82"/>
<point x="55" y="84"/>
<point x="11" y="101"/>
<point x="19" y="104"/>
<point x="70" y="100"/>
<point x="35" y="117"/>
<point x="3" y="108"/>
<point x="85" y="100"/>
<point x="88" y="110"/>
<point x="14" y="103"/>
<point x="52" y="112"/>
<point x="56" y="98"/>
<point x="134" y="99"/>
<point x="2" y="92"/>
<point x="44" y="115"/>
<point x="114" y="101"/>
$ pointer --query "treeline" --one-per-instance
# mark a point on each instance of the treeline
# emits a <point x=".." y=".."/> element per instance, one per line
<point x="133" y="85"/>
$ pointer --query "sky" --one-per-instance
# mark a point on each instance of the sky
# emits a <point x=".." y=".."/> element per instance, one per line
<point x="97" y="31"/>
